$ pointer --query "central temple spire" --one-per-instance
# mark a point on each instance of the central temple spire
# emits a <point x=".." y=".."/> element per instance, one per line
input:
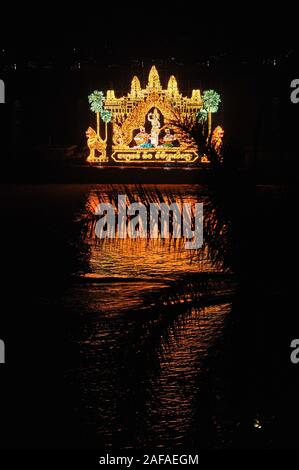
<point x="154" y="79"/>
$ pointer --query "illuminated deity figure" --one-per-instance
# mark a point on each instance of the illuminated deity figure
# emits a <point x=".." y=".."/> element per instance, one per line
<point x="154" y="120"/>
<point x="217" y="138"/>
<point x="142" y="138"/>
<point x="168" y="139"/>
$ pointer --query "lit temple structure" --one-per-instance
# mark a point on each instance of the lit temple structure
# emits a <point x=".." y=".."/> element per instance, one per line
<point x="144" y="125"/>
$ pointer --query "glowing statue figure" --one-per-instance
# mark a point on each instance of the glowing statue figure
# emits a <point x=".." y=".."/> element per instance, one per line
<point x="95" y="144"/>
<point x="154" y="120"/>
<point x="217" y="139"/>
<point x="168" y="139"/>
<point x="141" y="139"/>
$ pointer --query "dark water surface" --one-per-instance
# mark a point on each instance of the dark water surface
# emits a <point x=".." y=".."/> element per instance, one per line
<point x="109" y="343"/>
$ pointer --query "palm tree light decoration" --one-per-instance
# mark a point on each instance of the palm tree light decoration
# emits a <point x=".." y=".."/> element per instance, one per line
<point x="211" y="100"/>
<point x="96" y="100"/>
<point x="202" y="115"/>
<point x="106" y="116"/>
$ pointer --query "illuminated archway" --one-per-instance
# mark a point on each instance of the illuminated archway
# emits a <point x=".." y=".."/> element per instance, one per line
<point x="129" y="113"/>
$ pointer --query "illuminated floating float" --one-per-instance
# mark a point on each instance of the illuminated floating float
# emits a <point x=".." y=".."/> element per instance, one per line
<point x="145" y="124"/>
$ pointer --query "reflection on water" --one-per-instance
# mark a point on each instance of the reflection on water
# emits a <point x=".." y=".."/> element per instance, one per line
<point x="149" y="310"/>
<point x="170" y="406"/>
<point x="127" y="343"/>
<point x="146" y="262"/>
